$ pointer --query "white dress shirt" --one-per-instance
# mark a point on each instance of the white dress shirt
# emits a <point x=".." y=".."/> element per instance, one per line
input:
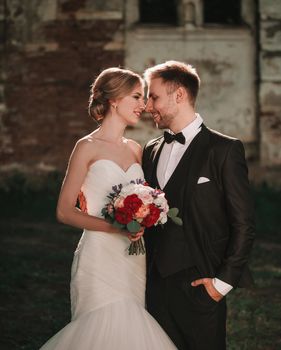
<point x="169" y="159"/>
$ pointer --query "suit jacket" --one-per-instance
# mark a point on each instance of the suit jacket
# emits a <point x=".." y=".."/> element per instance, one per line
<point x="218" y="218"/>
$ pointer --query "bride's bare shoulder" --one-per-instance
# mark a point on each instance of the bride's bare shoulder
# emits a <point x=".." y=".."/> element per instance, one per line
<point x="86" y="146"/>
<point x="87" y="141"/>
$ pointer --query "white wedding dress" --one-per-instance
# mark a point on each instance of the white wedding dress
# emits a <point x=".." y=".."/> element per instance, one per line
<point x="107" y="284"/>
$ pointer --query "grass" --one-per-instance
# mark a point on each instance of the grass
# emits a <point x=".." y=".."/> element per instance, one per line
<point x="254" y="316"/>
<point x="35" y="273"/>
<point x="35" y="261"/>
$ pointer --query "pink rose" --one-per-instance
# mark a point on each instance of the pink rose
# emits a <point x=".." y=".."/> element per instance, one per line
<point x="146" y="198"/>
<point x="119" y="203"/>
<point x="142" y="212"/>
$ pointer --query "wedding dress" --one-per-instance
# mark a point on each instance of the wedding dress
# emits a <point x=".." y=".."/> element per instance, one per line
<point x="108" y="285"/>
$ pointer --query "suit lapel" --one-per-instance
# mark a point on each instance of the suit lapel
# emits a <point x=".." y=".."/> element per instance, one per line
<point x="199" y="155"/>
<point x="187" y="172"/>
<point x="155" y="158"/>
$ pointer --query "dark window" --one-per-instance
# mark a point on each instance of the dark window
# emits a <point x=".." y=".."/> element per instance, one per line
<point x="222" y="11"/>
<point x="158" y="11"/>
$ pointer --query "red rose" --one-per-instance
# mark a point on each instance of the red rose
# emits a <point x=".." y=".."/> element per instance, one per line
<point x="132" y="203"/>
<point x="123" y="215"/>
<point x="82" y="202"/>
<point x="152" y="217"/>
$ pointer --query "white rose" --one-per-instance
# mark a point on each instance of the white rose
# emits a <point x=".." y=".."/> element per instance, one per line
<point x="163" y="218"/>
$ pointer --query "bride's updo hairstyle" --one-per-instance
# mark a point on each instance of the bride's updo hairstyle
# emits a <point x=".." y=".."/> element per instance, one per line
<point x="112" y="83"/>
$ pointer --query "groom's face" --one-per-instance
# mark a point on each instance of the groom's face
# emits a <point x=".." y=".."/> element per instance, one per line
<point x="161" y="103"/>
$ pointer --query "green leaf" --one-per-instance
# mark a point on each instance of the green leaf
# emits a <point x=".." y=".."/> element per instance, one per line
<point x="173" y="212"/>
<point x="133" y="226"/>
<point x="177" y="220"/>
<point x="103" y="211"/>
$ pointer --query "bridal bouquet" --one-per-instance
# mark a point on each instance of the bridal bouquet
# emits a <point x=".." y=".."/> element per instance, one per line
<point x="136" y="206"/>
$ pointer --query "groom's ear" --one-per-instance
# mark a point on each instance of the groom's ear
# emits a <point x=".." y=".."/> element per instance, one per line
<point x="181" y="94"/>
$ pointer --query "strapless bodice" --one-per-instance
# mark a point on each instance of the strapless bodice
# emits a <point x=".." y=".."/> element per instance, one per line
<point x="102" y="175"/>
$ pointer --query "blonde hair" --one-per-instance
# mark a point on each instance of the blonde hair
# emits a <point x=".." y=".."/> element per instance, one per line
<point x="176" y="74"/>
<point x="112" y="83"/>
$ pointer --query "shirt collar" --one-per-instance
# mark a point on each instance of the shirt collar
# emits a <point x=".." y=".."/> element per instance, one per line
<point x="192" y="127"/>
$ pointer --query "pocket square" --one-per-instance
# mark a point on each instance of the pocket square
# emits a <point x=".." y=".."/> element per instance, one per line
<point x="202" y="180"/>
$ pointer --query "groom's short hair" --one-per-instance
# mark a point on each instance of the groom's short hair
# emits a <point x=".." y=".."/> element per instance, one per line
<point x="176" y="74"/>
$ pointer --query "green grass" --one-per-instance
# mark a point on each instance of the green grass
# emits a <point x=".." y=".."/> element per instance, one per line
<point x="35" y="261"/>
<point x="254" y="316"/>
<point x="34" y="289"/>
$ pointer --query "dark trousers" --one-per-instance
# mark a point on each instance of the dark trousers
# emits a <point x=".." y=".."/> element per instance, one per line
<point x="191" y="318"/>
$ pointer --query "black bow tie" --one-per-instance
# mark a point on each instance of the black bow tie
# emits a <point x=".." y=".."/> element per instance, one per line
<point x="174" y="137"/>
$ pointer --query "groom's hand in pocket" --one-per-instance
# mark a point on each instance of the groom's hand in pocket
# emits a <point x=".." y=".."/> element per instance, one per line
<point x="211" y="290"/>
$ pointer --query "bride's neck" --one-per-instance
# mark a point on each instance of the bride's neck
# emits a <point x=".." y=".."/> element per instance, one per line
<point x="111" y="132"/>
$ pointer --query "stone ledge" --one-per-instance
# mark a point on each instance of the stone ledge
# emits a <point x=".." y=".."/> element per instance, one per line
<point x="114" y="46"/>
<point x="41" y="46"/>
<point x="179" y="33"/>
<point x="20" y="167"/>
<point x="91" y="15"/>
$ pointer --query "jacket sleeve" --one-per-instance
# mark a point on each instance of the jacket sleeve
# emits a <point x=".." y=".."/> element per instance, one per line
<point x="240" y="214"/>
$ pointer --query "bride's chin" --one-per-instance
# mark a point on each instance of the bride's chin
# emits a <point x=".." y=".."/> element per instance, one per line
<point x="132" y="122"/>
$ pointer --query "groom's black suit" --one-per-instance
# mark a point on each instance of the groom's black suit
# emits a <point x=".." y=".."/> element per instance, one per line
<point x="214" y="241"/>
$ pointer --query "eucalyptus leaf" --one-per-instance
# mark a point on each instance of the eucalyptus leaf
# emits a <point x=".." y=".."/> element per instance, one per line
<point x="133" y="226"/>
<point x="173" y="212"/>
<point x="177" y="220"/>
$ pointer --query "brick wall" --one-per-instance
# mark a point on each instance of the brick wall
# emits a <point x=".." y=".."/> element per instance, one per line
<point x="52" y="53"/>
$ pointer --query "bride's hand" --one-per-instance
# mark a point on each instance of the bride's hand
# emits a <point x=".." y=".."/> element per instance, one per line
<point x="133" y="237"/>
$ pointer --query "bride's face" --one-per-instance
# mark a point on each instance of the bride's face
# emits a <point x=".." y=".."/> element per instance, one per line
<point x="130" y="107"/>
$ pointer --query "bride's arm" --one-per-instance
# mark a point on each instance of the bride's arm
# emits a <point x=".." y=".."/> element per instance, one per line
<point x="67" y="212"/>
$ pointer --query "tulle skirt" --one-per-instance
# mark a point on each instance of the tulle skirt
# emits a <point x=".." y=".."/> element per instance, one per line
<point x="107" y="300"/>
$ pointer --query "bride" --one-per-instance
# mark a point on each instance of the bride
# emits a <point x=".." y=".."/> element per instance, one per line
<point x="107" y="285"/>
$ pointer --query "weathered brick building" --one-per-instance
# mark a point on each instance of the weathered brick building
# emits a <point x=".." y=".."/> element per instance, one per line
<point x="51" y="50"/>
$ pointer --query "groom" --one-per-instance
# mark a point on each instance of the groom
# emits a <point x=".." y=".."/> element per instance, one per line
<point x="203" y="173"/>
